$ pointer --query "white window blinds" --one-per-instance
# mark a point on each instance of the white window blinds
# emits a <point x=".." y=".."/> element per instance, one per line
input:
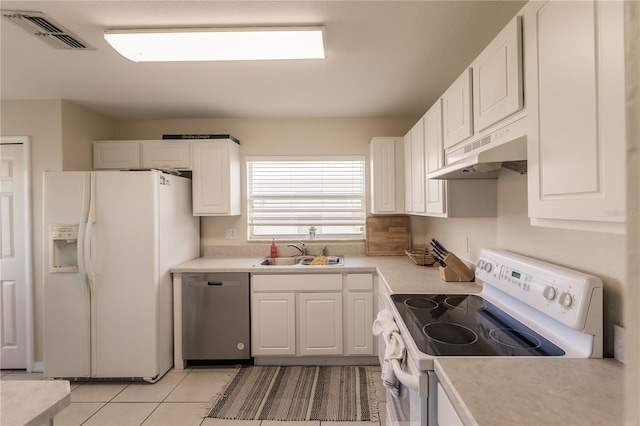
<point x="287" y="196"/>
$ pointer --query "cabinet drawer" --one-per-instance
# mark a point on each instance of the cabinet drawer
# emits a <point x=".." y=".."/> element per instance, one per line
<point x="359" y="282"/>
<point x="297" y="282"/>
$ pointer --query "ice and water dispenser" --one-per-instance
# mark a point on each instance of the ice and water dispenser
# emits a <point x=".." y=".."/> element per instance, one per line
<point x="63" y="241"/>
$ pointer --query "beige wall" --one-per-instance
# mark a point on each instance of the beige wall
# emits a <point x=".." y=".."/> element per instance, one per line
<point x="340" y="136"/>
<point x="80" y="126"/>
<point x="41" y="122"/>
<point x="60" y="135"/>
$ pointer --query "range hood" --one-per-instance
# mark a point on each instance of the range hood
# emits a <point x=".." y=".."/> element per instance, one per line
<point x="483" y="157"/>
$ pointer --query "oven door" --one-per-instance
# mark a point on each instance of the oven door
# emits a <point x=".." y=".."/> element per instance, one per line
<point x="413" y="406"/>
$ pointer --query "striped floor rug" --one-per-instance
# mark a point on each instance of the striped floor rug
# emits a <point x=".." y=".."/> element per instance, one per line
<point x="298" y="393"/>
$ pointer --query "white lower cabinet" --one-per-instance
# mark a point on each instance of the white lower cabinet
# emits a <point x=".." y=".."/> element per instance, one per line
<point x="273" y="329"/>
<point x="312" y="314"/>
<point x="320" y="317"/>
<point x="359" y="321"/>
<point x="447" y="415"/>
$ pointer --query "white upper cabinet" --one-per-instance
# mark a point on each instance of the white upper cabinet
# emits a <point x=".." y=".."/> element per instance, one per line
<point x="116" y="155"/>
<point x="434" y="159"/>
<point x="387" y="175"/>
<point x="408" y="202"/>
<point x="497" y="77"/>
<point x="576" y="140"/>
<point x="146" y="154"/>
<point x="418" y="202"/>
<point x="456" y="110"/>
<point x="166" y="154"/>
<point x="216" y="178"/>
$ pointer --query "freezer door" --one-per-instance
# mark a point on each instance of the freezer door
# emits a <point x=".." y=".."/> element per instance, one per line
<point x="66" y="295"/>
<point x="124" y="259"/>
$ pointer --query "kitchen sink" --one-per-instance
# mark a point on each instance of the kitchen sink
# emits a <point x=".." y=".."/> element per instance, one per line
<point x="299" y="261"/>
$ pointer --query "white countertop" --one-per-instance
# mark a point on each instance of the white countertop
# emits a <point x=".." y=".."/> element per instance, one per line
<point x="33" y="402"/>
<point x="399" y="272"/>
<point x="534" y="391"/>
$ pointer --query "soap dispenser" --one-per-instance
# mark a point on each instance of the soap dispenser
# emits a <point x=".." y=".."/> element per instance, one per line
<point x="274" y="249"/>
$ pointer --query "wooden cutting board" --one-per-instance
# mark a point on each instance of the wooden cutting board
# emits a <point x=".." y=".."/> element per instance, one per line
<point x="388" y="235"/>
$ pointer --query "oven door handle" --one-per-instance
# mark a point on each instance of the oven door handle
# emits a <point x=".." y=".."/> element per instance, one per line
<point x="410" y="381"/>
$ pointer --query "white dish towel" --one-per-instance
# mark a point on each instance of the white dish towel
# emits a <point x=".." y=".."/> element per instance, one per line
<point x="385" y="326"/>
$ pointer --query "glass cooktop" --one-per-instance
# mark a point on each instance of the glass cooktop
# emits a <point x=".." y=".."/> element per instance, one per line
<point x="467" y="325"/>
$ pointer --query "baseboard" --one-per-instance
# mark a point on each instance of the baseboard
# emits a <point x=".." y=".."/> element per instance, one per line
<point x="38" y="367"/>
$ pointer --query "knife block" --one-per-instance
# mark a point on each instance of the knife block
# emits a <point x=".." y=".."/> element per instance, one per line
<point x="456" y="270"/>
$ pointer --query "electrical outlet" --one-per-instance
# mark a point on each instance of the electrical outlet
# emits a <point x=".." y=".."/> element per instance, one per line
<point x="230" y="234"/>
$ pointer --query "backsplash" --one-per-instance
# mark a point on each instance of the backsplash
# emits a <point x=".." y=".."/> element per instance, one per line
<point x="262" y="250"/>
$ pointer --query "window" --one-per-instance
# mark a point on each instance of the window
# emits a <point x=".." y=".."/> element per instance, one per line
<point x="287" y="195"/>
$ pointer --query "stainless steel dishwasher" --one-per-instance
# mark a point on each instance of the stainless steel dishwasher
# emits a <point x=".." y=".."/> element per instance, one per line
<point x="215" y="316"/>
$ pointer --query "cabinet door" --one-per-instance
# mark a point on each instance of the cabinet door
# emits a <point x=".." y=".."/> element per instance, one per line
<point x="320" y="323"/>
<point x="436" y="205"/>
<point x="359" y="322"/>
<point x="576" y="141"/>
<point x="164" y="154"/>
<point x="387" y="175"/>
<point x="417" y="168"/>
<point x="408" y="200"/>
<point x="216" y="178"/>
<point x="456" y="110"/>
<point x="116" y="155"/>
<point x="497" y="77"/>
<point x="446" y="413"/>
<point x="273" y="324"/>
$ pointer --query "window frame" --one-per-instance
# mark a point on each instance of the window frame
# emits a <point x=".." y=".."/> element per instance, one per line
<point x="360" y="217"/>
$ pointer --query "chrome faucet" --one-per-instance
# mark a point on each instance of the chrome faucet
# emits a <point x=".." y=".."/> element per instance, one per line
<point x="301" y="248"/>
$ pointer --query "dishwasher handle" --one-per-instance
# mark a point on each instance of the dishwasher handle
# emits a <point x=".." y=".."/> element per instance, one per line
<point x="213" y="283"/>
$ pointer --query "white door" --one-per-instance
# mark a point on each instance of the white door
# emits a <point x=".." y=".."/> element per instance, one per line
<point x="434" y="159"/>
<point x="417" y="167"/>
<point x="124" y="253"/>
<point x="320" y="323"/>
<point x="457" y="117"/>
<point x="15" y="254"/>
<point x="66" y="302"/>
<point x="273" y="324"/>
<point x="383" y="175"/>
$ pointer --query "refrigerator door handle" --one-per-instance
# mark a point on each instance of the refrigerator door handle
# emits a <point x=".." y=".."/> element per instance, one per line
<point x="91" y="276"/>
<point x="91" y="219"/>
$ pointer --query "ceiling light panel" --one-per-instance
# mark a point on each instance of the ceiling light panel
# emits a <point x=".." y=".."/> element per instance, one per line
<point x="218" y="44"/>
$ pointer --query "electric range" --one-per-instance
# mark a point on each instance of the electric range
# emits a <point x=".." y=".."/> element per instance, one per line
<point x="527" y="308"/>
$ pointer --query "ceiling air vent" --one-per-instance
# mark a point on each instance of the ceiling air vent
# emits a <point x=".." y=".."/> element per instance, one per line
<point x="47" y="30"/>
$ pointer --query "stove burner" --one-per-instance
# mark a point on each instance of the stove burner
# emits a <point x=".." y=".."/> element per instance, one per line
<point x="416" y="303"/>
<point x="514" y="338"/>
<point x="464" y="301"/>
<point x="450" y="333"/>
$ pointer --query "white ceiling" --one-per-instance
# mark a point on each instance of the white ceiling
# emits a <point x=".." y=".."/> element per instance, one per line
<point x="385" y="58"/>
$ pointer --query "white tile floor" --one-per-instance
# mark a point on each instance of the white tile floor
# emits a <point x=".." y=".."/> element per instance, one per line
<point x="180" y="398"/>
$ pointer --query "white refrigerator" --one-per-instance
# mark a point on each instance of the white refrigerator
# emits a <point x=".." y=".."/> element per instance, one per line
<point x="111" y="238"/>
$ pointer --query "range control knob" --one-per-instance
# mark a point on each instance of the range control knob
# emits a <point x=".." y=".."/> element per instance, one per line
<point x="549" y="293"/>
<point x="565" y="300"/>
<point x="487" y="266"/>
<point x="480" y="264"/>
